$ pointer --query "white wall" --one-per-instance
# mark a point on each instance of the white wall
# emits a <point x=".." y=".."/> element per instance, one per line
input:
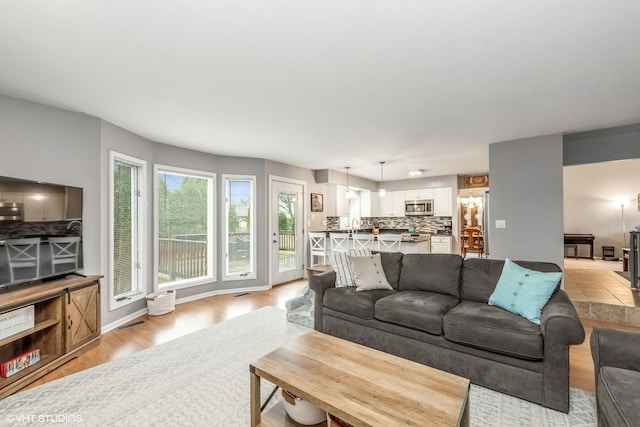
<point x="590" y="195"/>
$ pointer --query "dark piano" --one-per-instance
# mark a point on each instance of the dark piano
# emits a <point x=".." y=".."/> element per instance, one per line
<point x="580" y="239"/>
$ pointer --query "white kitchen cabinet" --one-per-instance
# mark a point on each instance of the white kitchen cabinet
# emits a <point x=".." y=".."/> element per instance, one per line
<point x="440" y="244"/>
<point x="392" y="205"/>
<point x="43" y="207"/>
<point x="11" y="197"/>
<point x="342" y="203"/>
<point x="420" y="194"/>
<point x="442" y="201"/>
<point x="369" y="203"/>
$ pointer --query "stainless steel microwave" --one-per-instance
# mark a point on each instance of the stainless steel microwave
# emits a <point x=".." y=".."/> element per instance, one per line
<point x="11" y="211"/>
<point x="418" y="207"/>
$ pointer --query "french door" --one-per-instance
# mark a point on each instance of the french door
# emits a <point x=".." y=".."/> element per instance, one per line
<point x="286" y="231"/>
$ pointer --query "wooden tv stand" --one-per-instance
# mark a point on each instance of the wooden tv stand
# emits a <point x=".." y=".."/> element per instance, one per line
<point x="67" y="323"/>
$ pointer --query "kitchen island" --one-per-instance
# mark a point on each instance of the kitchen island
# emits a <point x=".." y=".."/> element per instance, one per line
<point x="411" y="243"/>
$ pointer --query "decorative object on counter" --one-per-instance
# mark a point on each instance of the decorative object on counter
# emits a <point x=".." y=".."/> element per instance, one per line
<point x="476" y="181"/>
<point x="382" y="192"/>
<point x="317" y="203"/>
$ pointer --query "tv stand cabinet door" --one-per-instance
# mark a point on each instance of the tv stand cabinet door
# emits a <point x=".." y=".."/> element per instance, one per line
<point x="82" y="315"/>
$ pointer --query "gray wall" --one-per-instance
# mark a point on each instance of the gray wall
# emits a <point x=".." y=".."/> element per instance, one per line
<point x="52" y="145"/>
<point x="622" y="142"/>
<point x="526" y="191"/>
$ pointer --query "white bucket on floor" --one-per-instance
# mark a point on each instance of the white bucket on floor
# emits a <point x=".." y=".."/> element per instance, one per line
<point x="161" y="302"/>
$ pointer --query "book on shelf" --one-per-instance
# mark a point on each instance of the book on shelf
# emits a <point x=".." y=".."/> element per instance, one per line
<point x="19" y="363"/>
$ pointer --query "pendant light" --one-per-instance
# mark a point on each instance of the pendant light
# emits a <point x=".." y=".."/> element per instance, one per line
<point x="382" y="192"/>
<point x="348" y="194"/>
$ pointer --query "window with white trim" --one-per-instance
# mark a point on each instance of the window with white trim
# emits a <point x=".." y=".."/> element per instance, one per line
<point x="184" y="227"/>
<point x="239" y="227"/>
<point x="128" y="213"/>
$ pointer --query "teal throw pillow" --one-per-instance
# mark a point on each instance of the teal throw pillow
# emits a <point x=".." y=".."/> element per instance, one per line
<point x="523" y="291"/>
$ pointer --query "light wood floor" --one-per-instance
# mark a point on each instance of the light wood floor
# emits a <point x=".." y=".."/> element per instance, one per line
<point x="195" y="315"/>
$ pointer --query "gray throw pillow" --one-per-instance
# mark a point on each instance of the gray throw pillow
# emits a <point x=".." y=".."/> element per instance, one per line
<point x="368" y="273"/>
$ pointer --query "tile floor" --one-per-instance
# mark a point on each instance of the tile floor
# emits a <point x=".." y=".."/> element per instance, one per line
<point x="599" y="293"/>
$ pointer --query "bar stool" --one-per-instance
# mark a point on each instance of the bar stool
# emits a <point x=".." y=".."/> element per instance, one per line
<point x="318" y="243"/>
<point x="339" y="242"/>
<point x="362" y="241"/>
<point x="389" y="242"/>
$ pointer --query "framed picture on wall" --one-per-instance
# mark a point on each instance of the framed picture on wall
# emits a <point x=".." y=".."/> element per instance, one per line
<point x="639" y="202"/>
<point x="316" y="202"/>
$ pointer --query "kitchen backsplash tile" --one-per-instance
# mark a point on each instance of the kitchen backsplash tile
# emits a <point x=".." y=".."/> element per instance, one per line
<point x="423" y="224"/>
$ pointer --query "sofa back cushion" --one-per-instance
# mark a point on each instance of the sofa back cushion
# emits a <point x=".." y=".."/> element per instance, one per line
<point x="480" y="276"/>
<point x="392" y="264"/>
<point x="431" y="272"/>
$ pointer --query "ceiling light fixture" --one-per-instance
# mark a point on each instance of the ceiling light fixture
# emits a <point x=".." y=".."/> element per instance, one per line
<point x="348" y="194"/>
<point x="382" y="192"/>
<point x="416" y="172"/>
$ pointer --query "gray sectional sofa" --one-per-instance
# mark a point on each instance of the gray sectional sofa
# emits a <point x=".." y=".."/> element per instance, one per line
<point x="616" y="360"/>
<point x="437" y="314"/>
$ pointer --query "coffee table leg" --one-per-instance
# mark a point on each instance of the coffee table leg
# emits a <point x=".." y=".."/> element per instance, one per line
<point x="255" y="399"/>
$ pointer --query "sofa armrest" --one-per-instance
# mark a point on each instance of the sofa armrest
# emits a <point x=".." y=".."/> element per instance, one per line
<point x="320" y="283"/>
<point x="616" y="348"/>
<point x="560" y="323"/>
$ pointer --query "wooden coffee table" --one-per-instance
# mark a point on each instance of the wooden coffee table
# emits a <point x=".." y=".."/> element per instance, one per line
<point x="359" y="385"/>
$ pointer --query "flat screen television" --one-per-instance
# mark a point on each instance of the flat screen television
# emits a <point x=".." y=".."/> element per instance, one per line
<point x="40" y="231"/>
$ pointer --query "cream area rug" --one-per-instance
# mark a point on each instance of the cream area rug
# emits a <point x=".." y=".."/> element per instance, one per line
<point x="202" y="379"/>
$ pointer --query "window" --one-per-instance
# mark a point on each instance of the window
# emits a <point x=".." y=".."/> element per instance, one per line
<point x="127" y="229"/>
<point x="184" y="228"/>
<point x="239" y="227"/>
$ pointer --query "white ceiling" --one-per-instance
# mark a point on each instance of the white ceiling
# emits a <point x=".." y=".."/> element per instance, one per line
<point x="327" y="84"/>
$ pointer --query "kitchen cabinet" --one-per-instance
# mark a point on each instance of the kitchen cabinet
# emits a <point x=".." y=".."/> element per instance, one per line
<point x="11" y="197"/>
<point x="440" y="244"/>
<point x="442" y="201"/>
<point x="369" y="204"/>
<point x="420" y="194"/>
<point x="392" y="205"/>
<point x="342" y="203"/>
<point x="43" y="207"/>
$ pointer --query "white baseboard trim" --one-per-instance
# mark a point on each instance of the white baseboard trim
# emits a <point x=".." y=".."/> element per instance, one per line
<point x="113" y="325"/>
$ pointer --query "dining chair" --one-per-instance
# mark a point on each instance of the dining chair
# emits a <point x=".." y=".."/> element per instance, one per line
<point x="64" y="250"/>
<point x="362" y="240"/>
<point x="471" y="240"/>
<point x="318" y="243"/>
<point x="339" y="242"/>
<point x="24" y="258"/>
<point x="389" y="242"/>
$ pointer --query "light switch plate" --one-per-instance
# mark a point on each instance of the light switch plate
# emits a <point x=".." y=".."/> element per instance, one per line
<point x="501" y="223"/>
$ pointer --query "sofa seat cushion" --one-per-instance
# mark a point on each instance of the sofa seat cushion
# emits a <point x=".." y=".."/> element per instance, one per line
<point x="419" y="310"/>
<point x="347" y="300"/>
<point x="618" y="391"/>
<point x="494" y="329"/>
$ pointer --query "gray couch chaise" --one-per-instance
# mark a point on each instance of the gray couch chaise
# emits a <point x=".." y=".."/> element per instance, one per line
<point x="437" y="314"/>
<point x="616" y="360"/>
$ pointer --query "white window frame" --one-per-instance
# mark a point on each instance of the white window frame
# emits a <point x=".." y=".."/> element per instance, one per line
<point x="139" y="288"/>
<point x="252" y="224"/>
<point x="211" y="225"/>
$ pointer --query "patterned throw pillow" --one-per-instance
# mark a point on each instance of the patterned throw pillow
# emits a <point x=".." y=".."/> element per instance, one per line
<point x="340" y="264"/>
